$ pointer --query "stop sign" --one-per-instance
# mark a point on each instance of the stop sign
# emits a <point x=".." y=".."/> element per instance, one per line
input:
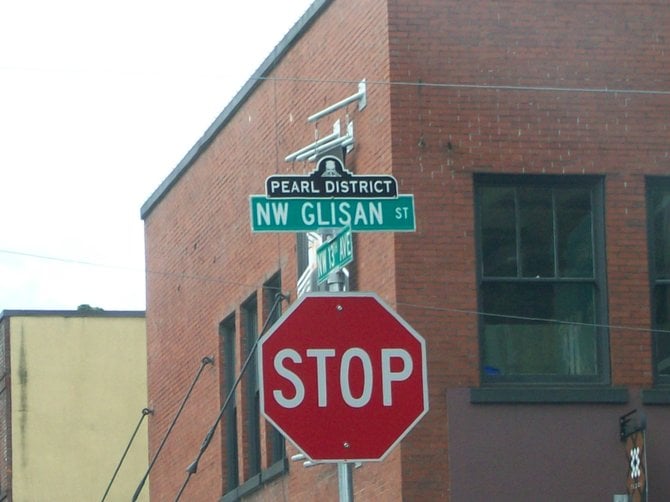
<point x="343" y="376"/>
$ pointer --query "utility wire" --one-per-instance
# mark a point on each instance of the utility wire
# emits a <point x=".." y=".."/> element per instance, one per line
<point x="219" y="280"/>
<point x="178" y="275"/>
<point x="145" y="412"/>
<point x="66" y="260"/>
<point x="193" y="467"/>
<point x="536" y="319"/>
<point x="318" y="80"/>
<point x="204" y="362"/>
<point x="465" y="85"/>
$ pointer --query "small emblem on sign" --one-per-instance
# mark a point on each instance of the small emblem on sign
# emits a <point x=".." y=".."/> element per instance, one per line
<point x="331" y="179"/>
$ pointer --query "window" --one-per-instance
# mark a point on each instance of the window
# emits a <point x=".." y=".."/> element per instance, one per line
<point x="302" y="252"/>
<point x="252" y="409"/>
<point x="541" y="281"/>
<point x="227" y="332"/>
<point x="276" y="447"/>
<point x="659" y="250"/>
<point x="262" y="449"/>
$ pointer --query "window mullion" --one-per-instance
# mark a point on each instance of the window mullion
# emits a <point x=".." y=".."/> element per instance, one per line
<point x="554" y="233"/>
<point x="517" y="230"/>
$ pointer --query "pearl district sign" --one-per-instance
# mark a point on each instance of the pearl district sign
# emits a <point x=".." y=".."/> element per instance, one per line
<point x="332" y="197"/>
<point x="331" y="179"/>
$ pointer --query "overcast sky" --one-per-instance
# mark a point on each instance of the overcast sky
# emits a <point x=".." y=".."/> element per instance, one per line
<point x="99" y="101"/>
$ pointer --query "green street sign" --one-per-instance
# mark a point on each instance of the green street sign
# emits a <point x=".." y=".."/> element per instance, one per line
<point x="311" y="214"/>
<point x="334" y="254"/>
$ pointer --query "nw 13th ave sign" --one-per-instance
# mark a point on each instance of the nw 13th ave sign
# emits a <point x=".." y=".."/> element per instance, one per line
<point x="334" y="254"/>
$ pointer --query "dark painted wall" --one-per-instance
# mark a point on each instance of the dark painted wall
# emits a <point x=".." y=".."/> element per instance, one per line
<point x="569" y="452"/>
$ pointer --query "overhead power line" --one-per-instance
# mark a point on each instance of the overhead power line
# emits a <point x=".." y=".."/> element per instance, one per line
<point x="220" y="280"/>
<point x="317" y="80"/>
<point x="472" y="85"/>
<point x="72" y="261"/>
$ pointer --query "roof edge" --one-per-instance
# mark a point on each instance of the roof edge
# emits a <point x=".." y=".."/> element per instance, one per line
<point x="294" y="34"/>
<point x="71" y="313"/>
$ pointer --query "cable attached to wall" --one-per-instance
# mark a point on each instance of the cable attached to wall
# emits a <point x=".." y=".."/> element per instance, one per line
<point x="204" y="362"/>
<point x="193" y="466"/>
<point x="145" y="412"/>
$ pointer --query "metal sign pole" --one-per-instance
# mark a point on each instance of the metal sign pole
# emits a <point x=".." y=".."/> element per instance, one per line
<point x="337" y="282"/>
<point x="345" y="481"/>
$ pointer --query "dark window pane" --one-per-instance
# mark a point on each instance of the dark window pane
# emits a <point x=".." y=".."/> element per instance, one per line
<point x="574" y="233"/>
<point x="230" y="418"/>
<point x="277" y="450"/>
<point x="659" y="246"/>
<point x="498" y="232"/>
<point x="251" y="334"/>
<point x="253" y="411"/>
<point x="520" y="340"/>
<point x="537" y="232"/>
<point x="661" y="233"/>
<point x="662" y="322"/>
<point x="302" y="252"/>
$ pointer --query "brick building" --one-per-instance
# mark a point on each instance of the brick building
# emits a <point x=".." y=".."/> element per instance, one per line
<point x="534" y="138"/>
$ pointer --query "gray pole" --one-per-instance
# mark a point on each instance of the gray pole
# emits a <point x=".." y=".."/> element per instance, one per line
<point x="339" y="281"/>
<point x="345" y="481"/>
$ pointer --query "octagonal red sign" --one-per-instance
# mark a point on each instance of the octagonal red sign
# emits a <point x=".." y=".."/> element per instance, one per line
<point x="343" y="376"/>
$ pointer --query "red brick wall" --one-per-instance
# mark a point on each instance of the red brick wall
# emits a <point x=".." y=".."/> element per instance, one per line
<point x="502" y="94"/>
<point x="203" y="261"/>
<point x="509" y="87"/>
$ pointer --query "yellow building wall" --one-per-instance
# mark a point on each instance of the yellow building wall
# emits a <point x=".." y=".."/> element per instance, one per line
<point x="78" y="387"/>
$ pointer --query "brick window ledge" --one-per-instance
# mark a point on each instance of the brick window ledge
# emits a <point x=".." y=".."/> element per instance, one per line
<point x="657" y="396"/>
<point x="548" y="395"/>
<point x="254" y="483"/>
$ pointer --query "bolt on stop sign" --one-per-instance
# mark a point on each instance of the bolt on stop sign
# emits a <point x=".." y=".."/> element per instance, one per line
<point x="343" y="377"/>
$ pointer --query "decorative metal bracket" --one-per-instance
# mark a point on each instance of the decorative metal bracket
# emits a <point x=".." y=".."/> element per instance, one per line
<point x="360" y="96"/>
